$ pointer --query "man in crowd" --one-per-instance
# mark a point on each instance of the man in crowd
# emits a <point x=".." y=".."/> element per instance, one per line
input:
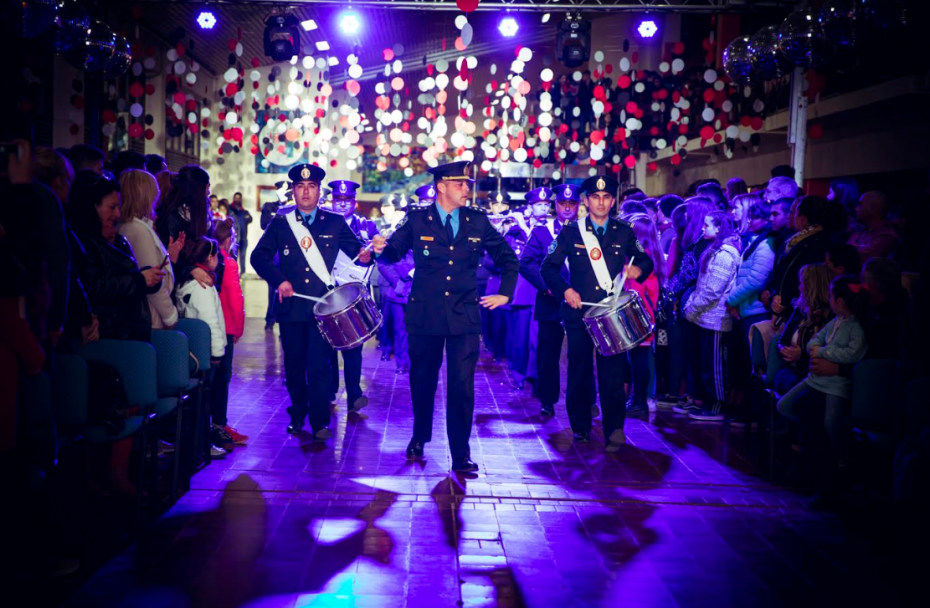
<point x="878" y="237"/>
<point x="242" y="219"/>
<point x="86" y="158"/>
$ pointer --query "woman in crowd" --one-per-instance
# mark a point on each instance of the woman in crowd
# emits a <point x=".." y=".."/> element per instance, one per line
<point x="845" y="192"/>
<point x="116" y="288"/>
<point x="139" y="194"/>
<point x="196" y="301"/>
<point x="233" y="303"/>
<point x="706" y="315"/>
<point x="743" y="303"/>
<point x="641" y="358"/>
<point x="736" y="187"/>
<point x="683" y="269"/>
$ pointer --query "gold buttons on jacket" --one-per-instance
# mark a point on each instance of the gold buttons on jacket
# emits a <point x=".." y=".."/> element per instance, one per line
<point x="447" y="293"/>
<point x="451" y="247"/>
<point x="306" y="280"/>
<point x="448" y="278"/>
<point x="450" y="262"/>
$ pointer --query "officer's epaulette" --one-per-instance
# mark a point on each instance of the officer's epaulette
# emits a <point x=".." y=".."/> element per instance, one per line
<point x="572" y="223"/>
<point x="623" y="222"/>
<point x="410" y="209"/>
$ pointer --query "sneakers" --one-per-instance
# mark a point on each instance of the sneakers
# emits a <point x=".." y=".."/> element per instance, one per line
<point x="219" y="437"/>
<point x="669" y="399"/>
<point x="237" y="437"/>
<point x="741" y="421"/>
<point x="217" y="453"/>
<point x="636" y="408"/>
<point x="616" y="439"/>
<point x="710" y="413"/>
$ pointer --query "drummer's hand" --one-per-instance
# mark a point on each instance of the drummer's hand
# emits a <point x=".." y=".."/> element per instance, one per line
<point x="634" y="272"/>
<point x="364" y="256"/>
<point x="573" y="298"/>
<point x="285" y="290"/>
<point x="492" y="302"/>
<point x="378" y="244"/>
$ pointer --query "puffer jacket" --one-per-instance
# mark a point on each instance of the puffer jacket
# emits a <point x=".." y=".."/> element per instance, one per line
<point x="196" y="302"/>
<point x="754" y="270"/>
<point x="707" y="306"/>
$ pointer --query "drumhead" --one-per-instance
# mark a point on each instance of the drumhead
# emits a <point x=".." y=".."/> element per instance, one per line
<point x="339" y="299"/>
<point x="614" y="304"/>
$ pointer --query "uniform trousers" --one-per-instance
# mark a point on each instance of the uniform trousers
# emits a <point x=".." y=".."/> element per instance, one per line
<point x="517" y="341"/>
<point x="426" y="360"/>
<point x="352" y="373"/>
<point x="394" y="320"/>
<point x="548" y="354"/>
<point x="610" y="379"/>
<point x="307" y="357"/>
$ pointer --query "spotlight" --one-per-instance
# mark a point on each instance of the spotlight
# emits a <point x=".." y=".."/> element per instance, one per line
<point x="573" y="42"/>
<point x="546" y="17"/>
<point x="647" y="28"/>
<point x="508" y="26"/>
<point x="309" y="25"/>
<point x="206" y="20"/>
<point x="282" y="36"/>
<point x="349" y="23"/>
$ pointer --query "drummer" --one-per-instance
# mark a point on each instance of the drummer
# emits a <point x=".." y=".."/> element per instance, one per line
<point x="594" y="261"/>
<point x="306" y="241"/>
<point x="442" y="311"/>
<point x="344" y="203"/>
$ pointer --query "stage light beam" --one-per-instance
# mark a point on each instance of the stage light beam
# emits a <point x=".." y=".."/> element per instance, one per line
<point x="206" y="20"/>
<point x="349" y="23"/>
<point x="508" y="27"/>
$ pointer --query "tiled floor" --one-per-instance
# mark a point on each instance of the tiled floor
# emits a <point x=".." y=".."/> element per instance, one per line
<point x="679" y="517"/>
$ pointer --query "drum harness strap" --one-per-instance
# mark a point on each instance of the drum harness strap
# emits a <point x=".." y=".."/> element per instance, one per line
<point x="596" y="257"/>
<point x="310" y="250"/>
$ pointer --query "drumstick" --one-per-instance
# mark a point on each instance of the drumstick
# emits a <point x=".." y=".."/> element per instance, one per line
<point x="360" y="252"/>
<point x="300" y="295"/>
<point x="592" y="304"/>
<point x="623" y="278"/>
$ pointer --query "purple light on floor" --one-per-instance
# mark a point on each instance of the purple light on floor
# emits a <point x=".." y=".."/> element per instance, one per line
<point x="206" y="20"/>
<point x="647" y="28"/>
<point x="508" y="26"/>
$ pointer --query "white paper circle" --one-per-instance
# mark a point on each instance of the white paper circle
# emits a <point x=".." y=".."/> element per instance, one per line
<point x="625" y="64"/>
<point x="710" y="76"/>
<point x="707" y="114"/>
<point x="678" y="64"/>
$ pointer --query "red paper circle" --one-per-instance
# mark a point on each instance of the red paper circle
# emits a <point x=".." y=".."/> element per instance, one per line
<point x="467" y="6"/>
<point x="135" y="130"/>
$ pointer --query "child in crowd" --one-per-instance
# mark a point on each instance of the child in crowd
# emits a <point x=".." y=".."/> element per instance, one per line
<point x="196" y="301"/>
<point x="233" y="304"/>
<point x="706" y="314"/>
<point x="642" y="359"/>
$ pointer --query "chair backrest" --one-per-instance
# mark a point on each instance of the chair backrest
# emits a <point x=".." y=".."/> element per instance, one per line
<point x="198" y="336"/>
<point x="171" y="348"/>
<point x="875" y="406"/>
<point x="135" y="361"/>
<point x="774" y="362"/>
<point x="70" y="388"/>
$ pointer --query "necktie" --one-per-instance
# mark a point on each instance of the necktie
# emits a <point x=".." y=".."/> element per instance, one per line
<point x="307" y="221"/>
<point x="450" y="234"/>
<point x="600" y="231"/>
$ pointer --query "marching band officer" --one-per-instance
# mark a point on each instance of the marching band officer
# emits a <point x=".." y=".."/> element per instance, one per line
<point x="447" y="240"/>
<point x="519" y="311"/>
<point x="597" y="251"/>
<point x="494" y="322"/>
<point x="344" y="203"/>
<point x="546" y="311"/>
<point x="306" y="241"/>
<point x="426" y="195"/>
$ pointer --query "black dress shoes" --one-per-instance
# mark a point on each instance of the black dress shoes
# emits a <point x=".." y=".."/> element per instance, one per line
<point x="385" y="356"/>
<point x="415" y="449"/>
<point x="295" y="428"/>
<point x="547" y="410"/>
<point x="463" y="465"/>
<point x="582" y="437"/>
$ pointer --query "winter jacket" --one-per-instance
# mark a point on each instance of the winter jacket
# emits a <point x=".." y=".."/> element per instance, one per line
<point x="707" y="306"/>
<point x="116" y="289"/>
<point x="842" y="341"/>
<point x="754" y="269"/>
<point x="151" y="252"/>
<point x="196" y="302"/>
<point x="784" y="278"/>
<point x="682" y="282"/>
<point x="231" y="298"/>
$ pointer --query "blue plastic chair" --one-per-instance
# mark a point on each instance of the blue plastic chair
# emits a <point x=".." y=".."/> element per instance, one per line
<point x="875" y="401"/>
<point x="135" y="361"/>
<point x="198" y="336"/>
<point x="174" y="385"/>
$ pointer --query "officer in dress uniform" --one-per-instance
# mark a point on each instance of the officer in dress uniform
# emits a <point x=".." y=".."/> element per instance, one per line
<point x="306" y="241"/>
<point x="442" y="312"/>
<point x="608" y="244"/>
<point x="519" y="312"/>
<point x="494" y="322"/>
<point x="344" y="203"/>
<point x="426" y="195"/>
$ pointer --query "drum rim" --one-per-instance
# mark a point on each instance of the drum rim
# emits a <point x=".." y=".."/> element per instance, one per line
<point x="358" y="298"/>
<point x="600" y="311"/>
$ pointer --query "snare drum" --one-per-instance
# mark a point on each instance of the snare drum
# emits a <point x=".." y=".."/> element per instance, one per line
<point x="347" y="316"/>
<point x="620" y="326"/>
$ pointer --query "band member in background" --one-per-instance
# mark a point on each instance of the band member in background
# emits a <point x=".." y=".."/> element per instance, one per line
<point x="519" y="312"/>
<point x="595" y="259"/>
<point x="306" y="242"/>
<point x="546" y="311"/>
<point x="426" y="195"/>
<point x="494" y="326"/>
<point x="344" y="203"/>
<point x="442" y="312"/>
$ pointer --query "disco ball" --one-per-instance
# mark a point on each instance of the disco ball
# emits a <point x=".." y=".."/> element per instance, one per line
<point x="767" y="60"/>
<point x="29" y="18"/>
<point x="802" y="40"/>
<point x="120" y="61"/>
<point x="737" y="62"/>
<point x="839" y="22"/>
<point x="71" y="25"/>
<point x="96" y="50"/>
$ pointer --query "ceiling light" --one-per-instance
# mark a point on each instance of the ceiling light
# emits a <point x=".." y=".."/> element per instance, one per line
<point x="647" y="28"/>
<point x="309" y="25"/>
<point x="508" y="26"/>
<point x="322" y="45"/>
<point x="206" y="20"/>
<point x="349" y="23"/>
<point x="545" y="18"/>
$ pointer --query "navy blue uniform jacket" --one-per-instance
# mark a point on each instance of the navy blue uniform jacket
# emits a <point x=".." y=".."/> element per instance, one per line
<point x="444" y="297"/>
<point x="547" y="306"/>
<point x="618" y="245"/>
<point x="329" y="231"/>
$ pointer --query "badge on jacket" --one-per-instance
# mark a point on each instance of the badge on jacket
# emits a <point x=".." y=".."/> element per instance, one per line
<point x="306" y="242"/>
<point x="552" y="247"/>
<point x="595" y="254"/>
<point x="287" y="251"/>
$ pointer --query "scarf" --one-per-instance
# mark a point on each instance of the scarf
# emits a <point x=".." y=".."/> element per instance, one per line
<point x="800" y="236"/>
